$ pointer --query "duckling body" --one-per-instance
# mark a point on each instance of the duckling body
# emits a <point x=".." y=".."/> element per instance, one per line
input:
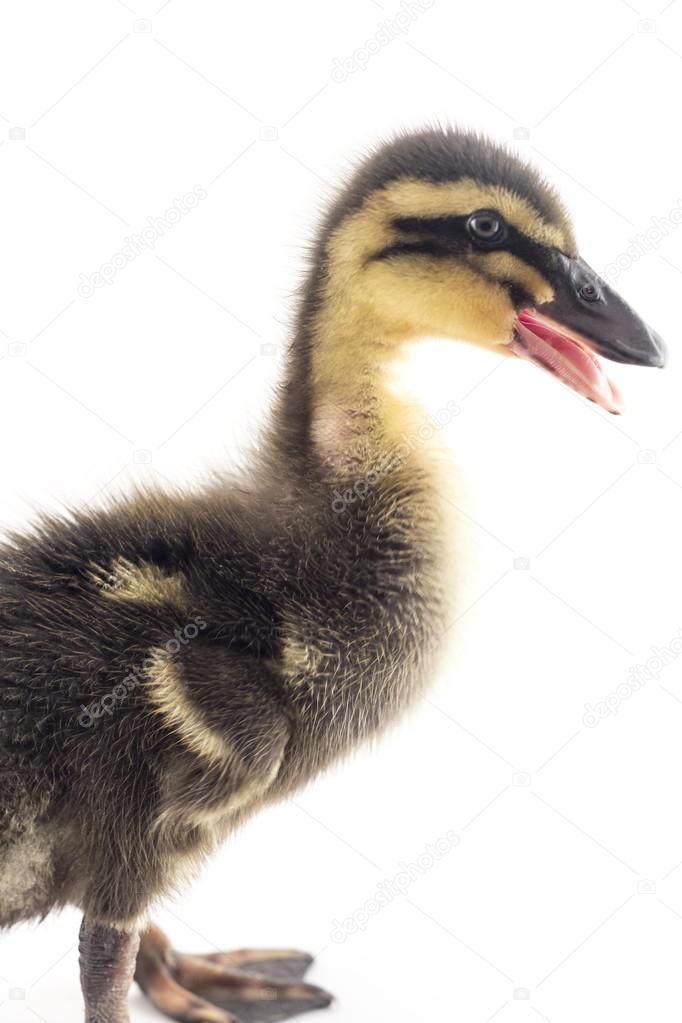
<point x="173" y="663"/>
<point x="289" y="652"/>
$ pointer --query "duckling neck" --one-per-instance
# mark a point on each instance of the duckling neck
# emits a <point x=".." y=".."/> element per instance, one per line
<point x="344" y="405"/>
<point x="381" y="493"/>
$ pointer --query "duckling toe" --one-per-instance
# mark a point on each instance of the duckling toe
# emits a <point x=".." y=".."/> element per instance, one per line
<point x="280" y="964"/>
<point x="249" y="986"/>
<point x="253" y="996"/>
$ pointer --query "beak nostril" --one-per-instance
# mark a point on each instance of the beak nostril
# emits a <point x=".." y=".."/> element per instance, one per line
<point x="589" y="292"/>
<point x="588" y="306"/>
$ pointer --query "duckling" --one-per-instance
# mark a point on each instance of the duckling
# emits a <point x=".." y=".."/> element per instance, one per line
<point x="173" y="663"/>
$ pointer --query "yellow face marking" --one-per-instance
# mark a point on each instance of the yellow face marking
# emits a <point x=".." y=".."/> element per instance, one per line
<point x="505" y="266"/>
<point x="416" y="198"/>
<point x="370" y="304"/>
<point x="370" y="308"/>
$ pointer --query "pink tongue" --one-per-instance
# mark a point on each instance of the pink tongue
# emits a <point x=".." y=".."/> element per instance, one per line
<point x="566" y="359"/>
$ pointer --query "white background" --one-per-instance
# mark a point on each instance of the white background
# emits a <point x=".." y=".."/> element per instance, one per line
<point x="562" y="899"/>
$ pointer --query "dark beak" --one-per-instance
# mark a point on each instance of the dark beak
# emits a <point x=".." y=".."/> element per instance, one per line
<point x="590" y="308"/>
<point x="584" y="319"/>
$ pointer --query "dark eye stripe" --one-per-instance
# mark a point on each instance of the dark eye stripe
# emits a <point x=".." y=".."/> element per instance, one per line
<point x="441" y="249"/>
<point x="447" y="236"/>
<point x="445" y="226"/>
<point x="520" y="296"/>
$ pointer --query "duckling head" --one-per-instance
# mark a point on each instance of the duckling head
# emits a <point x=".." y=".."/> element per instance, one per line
<point x="443" y="233"/>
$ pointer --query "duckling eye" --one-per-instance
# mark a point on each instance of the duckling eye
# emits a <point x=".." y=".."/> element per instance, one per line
<point x="486" y="226"/>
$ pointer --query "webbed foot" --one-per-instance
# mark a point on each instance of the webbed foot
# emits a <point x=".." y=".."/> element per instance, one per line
<point x="248" y="986"/>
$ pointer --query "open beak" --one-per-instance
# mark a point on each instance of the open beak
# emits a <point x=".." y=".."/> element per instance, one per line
<point x="585" y="319"/>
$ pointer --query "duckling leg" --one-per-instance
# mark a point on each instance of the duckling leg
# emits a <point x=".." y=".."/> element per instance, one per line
<point x="233" y="987"/>
<point x="107" y="961"/>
